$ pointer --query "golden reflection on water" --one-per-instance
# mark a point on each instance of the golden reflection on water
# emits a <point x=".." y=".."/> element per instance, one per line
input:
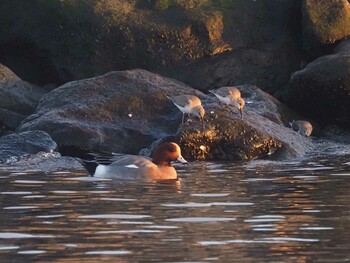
<point x="272" y="213"/>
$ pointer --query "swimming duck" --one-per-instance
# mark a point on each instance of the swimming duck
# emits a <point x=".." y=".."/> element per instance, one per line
<point x="140" y="167"/>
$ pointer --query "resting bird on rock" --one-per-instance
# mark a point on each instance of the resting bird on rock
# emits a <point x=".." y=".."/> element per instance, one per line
<point x="302" y="127"/>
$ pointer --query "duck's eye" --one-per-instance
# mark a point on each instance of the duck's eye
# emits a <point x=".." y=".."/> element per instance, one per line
<point x="171" y="149"/>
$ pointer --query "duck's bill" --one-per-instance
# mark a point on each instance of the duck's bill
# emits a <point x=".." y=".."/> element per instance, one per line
<point x="182" y="160"/>
<point x="241" y="111"/>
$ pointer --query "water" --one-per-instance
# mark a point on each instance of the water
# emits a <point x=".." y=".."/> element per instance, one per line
<point x="257" y="211"/>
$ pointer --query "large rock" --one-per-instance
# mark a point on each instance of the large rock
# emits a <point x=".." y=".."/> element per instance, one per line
<point x="119" y="111"/>
<point x="262" y="133"/>
<point x="34" y="151"/>
<point x="126" y="111"/>
<point x="18" y="145"/>
<point x="18" y="98"/>
<point x="44" y="162"/>
<point x="57" y="41"/>
<point x="321" y="91"/>
<point x="266" y="67"/>
<point x="325" y="22"/>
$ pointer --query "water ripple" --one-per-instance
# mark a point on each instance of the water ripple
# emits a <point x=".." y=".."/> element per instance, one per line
<point x="200" y="219"/>
<point x="8" y="247"/>
<point x="31" y="252"/>
<point x="49" y="216"/>
<point x="108" y="252"/>
<point x="128" y="231"/>
<point x="294" y="239"/>
<point x="33" y="196"/>
<point x="190" y="204"/>
<point x="217" y="171"/>
<point x="316" y="228"/>
<point x="30" y="182"/>
<point x="238" y="241"/>
<point x="20" y="207"/>
<point x="10" y="235"/>
<point x="115" y="216"/>
<point x="118" y="199"/>
<point x="274" y="212"/>
<point x="129" y="223"/>
<point x="255" y="220"/>
<point x="16" y="193"/>
<point x="211" y="194"/>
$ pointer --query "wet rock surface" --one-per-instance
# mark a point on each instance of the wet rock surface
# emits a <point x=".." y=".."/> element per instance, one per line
<point x="263" y="132"/>
<point x="18" y="98"/>
<point x="321" y="91"/>
<point x="17" y="145"/>
<point x="225" y="138"/>
<point x="126" y="111"/>
<point x="44" y="162"/>
<point x="34" y="151"/>
<point x="117" y="112"/>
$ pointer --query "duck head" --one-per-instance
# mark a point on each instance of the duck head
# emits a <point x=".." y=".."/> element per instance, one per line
<point x="166" y="153"/>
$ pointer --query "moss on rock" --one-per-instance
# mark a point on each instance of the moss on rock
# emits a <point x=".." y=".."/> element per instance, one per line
<point x="325" y="21"/>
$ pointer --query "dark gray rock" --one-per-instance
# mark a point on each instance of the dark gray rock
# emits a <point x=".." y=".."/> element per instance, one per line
<point x="343" y="46"/>
<point x="120" y="111"/>
<point x="18" y="98"/>
<point x="17" y="95"/>
<point x="72" y="40"/>
<point x="44" y="162"/>
<point x="17" y="145"/>
<point x="126" y="111"/>
<point x="321" y="91"/>
<point x="268" y="67"/>
<point x="10" y="119"/>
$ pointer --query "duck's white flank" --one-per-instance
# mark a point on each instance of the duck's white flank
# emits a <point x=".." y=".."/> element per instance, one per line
<point x="100" y="170"/>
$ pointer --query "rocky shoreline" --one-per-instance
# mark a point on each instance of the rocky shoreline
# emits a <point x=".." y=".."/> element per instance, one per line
<point x="127" y="111"/>
<point x="287" y="64"/>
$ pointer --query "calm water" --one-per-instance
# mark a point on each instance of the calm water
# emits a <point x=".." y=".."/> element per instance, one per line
<point x="257" y="211"/>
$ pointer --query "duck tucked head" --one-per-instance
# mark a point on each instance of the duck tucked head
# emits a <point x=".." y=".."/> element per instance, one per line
<point x="167" y="153"/>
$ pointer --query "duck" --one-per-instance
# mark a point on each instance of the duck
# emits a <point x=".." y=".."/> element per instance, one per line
<point x="135" y="167"/>
<point x="230" y="96"/>
<point x="189" y="104"/>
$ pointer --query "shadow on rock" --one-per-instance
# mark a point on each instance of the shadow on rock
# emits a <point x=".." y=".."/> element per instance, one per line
<point x="126" y="111"/>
